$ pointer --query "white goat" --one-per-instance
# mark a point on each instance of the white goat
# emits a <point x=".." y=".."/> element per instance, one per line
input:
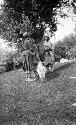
<point x="41" y="70"/>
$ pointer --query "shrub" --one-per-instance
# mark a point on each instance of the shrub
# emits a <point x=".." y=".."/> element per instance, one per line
<point x="66" y="48"/>
<point x="60" y="51"/>
<point x="9" y="61"/>
<point x="17" y="58"/>
<point x="71" y="54"/>
<point x="70" y="41"/>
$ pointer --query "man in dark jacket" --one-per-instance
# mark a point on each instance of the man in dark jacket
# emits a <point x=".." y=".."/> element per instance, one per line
<point x="49" y="59"/>
<point x="27" y="61"/>
<point x="29" y="56"/>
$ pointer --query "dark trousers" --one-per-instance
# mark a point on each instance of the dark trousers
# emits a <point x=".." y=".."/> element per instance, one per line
<point x="27" y="62"/>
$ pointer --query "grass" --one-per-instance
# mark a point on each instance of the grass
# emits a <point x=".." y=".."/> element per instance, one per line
<point x="35" y="103"/>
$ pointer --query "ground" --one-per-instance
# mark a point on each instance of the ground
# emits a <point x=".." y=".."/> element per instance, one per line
<point x="35" y="103"/>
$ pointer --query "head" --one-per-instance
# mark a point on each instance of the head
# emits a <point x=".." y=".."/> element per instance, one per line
<point x="27" y="47"/>
<point x="46" y="53"/>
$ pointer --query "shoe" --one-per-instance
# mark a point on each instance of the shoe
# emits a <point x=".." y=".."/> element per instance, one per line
<point x="26" y="72"/>
<point x="42" y="79"/>
<point x="29" y="79"/>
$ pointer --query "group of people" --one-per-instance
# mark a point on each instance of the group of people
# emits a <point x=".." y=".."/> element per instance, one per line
<point x="30" y="58"/>
<point x="32" y="61"/>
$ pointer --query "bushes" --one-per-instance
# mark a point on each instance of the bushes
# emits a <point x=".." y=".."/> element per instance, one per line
<point x="9" y="61"/>
<point x="13" y="61"/>
<point x="17" y="59"/>
<point x="9" y="66"/>
<point x="60" y="51"/>
<point x="66" y="48"/>
<point x="71" y="54"/>
<point x="70" y="41"/>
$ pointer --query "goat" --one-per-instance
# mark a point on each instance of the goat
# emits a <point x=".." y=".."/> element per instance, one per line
<point x="41" y="70"/>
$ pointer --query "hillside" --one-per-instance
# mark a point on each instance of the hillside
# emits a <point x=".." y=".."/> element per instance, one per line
<point x="47" y="103"/>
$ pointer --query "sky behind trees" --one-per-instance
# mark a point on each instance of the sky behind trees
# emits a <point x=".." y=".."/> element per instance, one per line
<point x="65" y="25"/>
<point x="1" y="2"/>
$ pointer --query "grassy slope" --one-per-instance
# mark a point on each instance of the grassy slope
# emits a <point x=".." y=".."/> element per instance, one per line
<point x="47" y="103"/>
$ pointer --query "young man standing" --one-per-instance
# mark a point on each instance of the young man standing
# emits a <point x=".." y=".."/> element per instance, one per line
<point x="49" y="57"/>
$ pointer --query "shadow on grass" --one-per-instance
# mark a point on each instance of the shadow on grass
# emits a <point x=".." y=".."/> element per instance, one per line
<point x="52" y="75"/>
<point x="56" y="72"/>
<point x="65" y="66"/>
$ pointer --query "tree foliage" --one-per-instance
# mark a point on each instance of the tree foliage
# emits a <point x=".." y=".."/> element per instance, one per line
<point x="36" y="10"/>
<point x="27" y="16"/>
<point x="60" y="51"/>
<point x="66" y="49"/>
